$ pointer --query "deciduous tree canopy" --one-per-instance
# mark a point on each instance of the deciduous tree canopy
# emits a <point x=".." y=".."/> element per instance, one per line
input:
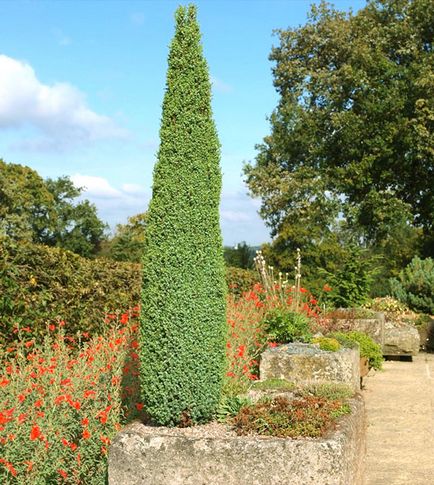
<point x="351" y="146"/>
<point x="46" y="211"/>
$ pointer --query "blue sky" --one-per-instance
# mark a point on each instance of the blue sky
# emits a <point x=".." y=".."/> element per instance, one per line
<point x="82" y="83"/>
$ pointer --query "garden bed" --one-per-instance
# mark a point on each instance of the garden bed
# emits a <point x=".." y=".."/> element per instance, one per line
<point x="214" y="454"/>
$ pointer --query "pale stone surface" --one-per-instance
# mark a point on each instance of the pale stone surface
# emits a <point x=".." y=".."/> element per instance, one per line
<point x="402" y="340"/>
<point x="308" y="366"/>
<point x="400" y="438"/>
<point x="374" y="327"/>
<point x="137" y="457"/>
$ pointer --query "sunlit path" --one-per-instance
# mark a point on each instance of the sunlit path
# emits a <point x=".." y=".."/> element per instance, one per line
<point x="400" y="434"/>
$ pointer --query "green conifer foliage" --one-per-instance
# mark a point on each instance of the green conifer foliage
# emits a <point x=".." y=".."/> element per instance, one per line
<point x="183" y="324"/>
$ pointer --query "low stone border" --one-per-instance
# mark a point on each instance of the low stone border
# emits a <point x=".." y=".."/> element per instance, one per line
<point x="140" y="455"/>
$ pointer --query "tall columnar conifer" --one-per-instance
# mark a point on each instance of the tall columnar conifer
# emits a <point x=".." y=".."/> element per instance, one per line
<point x="183" y="301"/>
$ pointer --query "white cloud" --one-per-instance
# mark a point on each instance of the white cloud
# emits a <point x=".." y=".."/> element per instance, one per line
<point x="97" y="187"/>
<point x="239" y="218"/>
<point x="58" y="113"/>
<point x="234" y="216"/>
<point x="133" y="189"/>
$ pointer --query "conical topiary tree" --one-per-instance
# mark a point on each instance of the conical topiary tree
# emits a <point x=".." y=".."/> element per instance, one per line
<point x="183" y="323"/>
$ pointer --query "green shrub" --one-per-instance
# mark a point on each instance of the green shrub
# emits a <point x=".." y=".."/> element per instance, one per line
<point x="368" y="348"/>
<point x="183" y="326"/>
<point x="414" y="285"/>
<point x="273" y="384"/>
<point x="240" y="280"/>
<point x="327" y="390"/>
<point x="285" y="326"/>
<point x="351" y="281"/>
<point x="40" y="285"/>
<point x="230" y="406"/>
<point x="327" y="343"/>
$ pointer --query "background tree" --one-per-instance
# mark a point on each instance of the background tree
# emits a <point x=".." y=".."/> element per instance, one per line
<point x="46" y="211"/>
<point x="26" y="204"/>
<point x="239" y="256"/>
<point x="127" y="243"/>
<point x="183" y="324"/>
<point x="351" y="144"/>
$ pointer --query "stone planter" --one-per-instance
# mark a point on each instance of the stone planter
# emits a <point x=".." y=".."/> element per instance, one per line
<point x="143" y="456"/>
<point x="306" y="363"/>
<point x="374" y="327"/>
<point x="401" y="341"/>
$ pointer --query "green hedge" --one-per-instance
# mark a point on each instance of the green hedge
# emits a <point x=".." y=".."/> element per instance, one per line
<point x="240" y="280"/>
<point x="40" y="285"/>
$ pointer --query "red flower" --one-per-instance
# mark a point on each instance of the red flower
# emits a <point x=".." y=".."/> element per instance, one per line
<point x="4" y="382"/>
<point x="84" y="422"/>
<point x="139" y="406"/>
<point x="51" y="327"/>
<point x="241" y="349"/>
<point x="62" y="473"/>
<point x="86" y="434"/>
<point x="35" y="433"/>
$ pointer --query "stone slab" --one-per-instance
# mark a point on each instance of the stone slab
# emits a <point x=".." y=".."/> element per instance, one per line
<point x="402" y="340"/>
<point x="374" y="327"/>
<point x="138" y="458"/>
<point x="309" y="366"/>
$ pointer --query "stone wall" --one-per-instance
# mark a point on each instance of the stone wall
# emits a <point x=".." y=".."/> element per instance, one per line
<point x="140" y="457"/>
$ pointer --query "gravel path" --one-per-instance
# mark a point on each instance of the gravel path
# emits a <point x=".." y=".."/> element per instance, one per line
<point x="400" y="435"/>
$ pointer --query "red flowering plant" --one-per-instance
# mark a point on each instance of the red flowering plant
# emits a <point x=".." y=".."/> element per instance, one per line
<point x="62" y="401"/>
<point x="246" y="337"/>
<point x="293" y="313"/>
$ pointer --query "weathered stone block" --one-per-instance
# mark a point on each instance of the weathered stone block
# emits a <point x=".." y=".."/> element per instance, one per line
<point x="374" y="327"/>
<point x="304" y="363"/>
<point x="143" y="456"/>
<point x="402" y="340"/>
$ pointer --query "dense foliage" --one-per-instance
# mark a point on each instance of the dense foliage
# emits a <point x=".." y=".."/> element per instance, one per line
<point x="62" y="402"/>
<point x="414" y="285"/>
<point x="308" y="416"/>
<point x="46" y="211"/>
<point x="284" y="325"/>
<point x="240" y="280"/>
<point x="183" y="299"/>
<point x="40" y="286"/>
<point x="127" y="244"/>
<point x="351" y="282"/>
<point x="350" y="156"/>
<point x="239" y="256"/>
<point x="368" y="348"/>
